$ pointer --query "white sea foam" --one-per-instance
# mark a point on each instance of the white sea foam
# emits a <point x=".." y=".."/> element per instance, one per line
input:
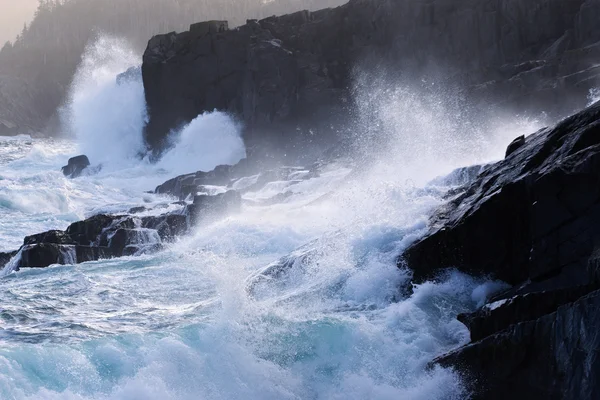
<point x="182" y="325"/>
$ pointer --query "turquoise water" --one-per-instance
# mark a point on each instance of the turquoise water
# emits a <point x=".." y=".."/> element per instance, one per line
<point x="190" y="323"/>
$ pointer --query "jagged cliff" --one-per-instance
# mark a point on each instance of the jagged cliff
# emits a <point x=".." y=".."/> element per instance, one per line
<point x="532" y="220"/>
<point x="291" y="76"/>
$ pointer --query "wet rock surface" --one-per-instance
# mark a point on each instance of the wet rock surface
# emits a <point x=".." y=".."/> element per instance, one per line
<point x="532" y="216"/>
<point x="290" y="78"/>
<point x="238" y="177"/>
<point x="5" y="257"/>
<point x="533" y="221"/>
<point x="106" y="236"/>
<point x="75" y="166"/>
<point x="204" y="197"/>
<point x="551" y="357"/>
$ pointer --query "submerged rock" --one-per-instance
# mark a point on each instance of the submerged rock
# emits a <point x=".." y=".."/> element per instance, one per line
<point x="76" y="166"/>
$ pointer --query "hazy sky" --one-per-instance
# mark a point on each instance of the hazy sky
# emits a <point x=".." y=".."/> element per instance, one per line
<point x="13" y="14"/>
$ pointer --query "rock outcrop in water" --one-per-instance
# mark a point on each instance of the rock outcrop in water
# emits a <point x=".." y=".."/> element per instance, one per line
<point x="101" y="237"/>
<point x="532" y="220"/>
<point x="108" y="236"/>
<point x="75" y="166"/>
<point x="290" y="79"/>
<point x="203" y="198"/>
<point x="241" y="177"/>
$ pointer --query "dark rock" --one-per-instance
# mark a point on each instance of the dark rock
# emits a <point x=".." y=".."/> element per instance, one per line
<point x="168" y="226"/>
<point x="108" y="236"/>
<point x="274" y="175"/>
<point x="184" y="185"/>
<point x="532" y="220"/>
<point x="459" y="177"/>
<point x="207" y="208"/>
<point x="501" y="314"/>
<point x="173" y="186"/>
<point x="290" y="79"/>
<point x="42" y="255"/>
<point x="552" y="357"/>
<point x="123" y="238"/>
<point x="531" y="216"/>
<point x="515" y="145"/>
<point x="6" y="257"/>
<point x="76" y="166"/>
<point x="92" y="253"/>
<point x="54" y="237"/>
<point x="119" y="240"/>
<point x="87" y="232"/>
<point x="45" y="254"/>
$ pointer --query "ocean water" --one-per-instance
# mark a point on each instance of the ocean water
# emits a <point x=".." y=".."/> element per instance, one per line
<point x="198" y="320"/>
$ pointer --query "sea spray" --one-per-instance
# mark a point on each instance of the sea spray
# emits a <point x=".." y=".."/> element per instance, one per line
<point x="593" y="96"/>
<point x="209" y="140"/>
<point x="423" y="129"/>
<point x="12" y="265"/>
<point x="107" y="116"/>
<point x="182" y="324"/>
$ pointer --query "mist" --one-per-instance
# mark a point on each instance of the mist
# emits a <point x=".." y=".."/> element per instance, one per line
<point x="14" y="15"/>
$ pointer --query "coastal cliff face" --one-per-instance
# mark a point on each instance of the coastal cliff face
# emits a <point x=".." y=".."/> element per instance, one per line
<point x="531" y="220"/>
<point x="291" y="78"/>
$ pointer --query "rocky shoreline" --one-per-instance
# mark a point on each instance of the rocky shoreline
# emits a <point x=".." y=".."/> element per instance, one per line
<point x="203" y="197"/>
<point x="531" y="220"/>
